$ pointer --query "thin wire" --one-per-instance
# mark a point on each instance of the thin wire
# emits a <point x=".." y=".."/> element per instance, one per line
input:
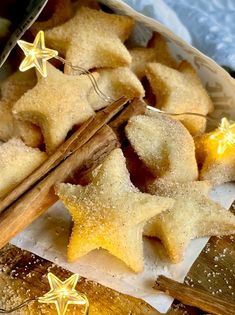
<point x="108" y="99"/>
<point x="81" y="70"/>
<point x="25" y="303"/>
<point x="179" y="114"/>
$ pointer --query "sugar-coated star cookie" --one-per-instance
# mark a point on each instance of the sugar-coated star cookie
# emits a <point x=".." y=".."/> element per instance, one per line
<point x="164" y="145"/>
<point x="157" y="51"/>
<point x="92" y="39"/>
<point x="14" y="86"/>
<point x="217" y="168"/>
<point x="180" y="91"/>
<point x="115" y="83"/>
<point x="55" y="13"/>
<point x="17" y="161"/>
<point x="110" y="213"/>
<point x="56" y="103"/>
<point x="11" y="90"/>
<point x="192" y="215"/>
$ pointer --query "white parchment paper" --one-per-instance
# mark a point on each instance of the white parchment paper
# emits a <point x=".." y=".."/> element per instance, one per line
<point x="48" y="236"/>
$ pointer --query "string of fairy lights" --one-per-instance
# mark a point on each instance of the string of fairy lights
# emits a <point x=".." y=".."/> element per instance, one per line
<point x="37" y="55"/>
<point x="224" y="135"/>
<point x="63" y="293"/>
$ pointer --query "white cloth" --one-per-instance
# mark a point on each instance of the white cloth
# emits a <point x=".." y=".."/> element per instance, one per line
<point x="207" y="25"/>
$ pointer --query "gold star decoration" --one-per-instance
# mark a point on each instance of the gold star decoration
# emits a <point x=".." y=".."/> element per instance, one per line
<point x="63" y="294"/>
<point x="36" y="54"/>
<point x="224" y="135"/>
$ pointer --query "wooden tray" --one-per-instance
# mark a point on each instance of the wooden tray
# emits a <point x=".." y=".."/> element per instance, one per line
<point x="23" y="276"/>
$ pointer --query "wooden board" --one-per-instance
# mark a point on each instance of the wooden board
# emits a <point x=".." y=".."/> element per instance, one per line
<point x="23" y="276"/>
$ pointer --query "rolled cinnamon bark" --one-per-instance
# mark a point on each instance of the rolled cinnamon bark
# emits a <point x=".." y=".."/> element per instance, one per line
<point x="194" y="297"/>
<point x="78" y="138"/>
<point x="34" y="202"/>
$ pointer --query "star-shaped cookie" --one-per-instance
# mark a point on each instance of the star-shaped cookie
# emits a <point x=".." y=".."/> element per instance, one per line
<point x="14" y="86"/>
<point x="55" y="104"/>
<point x="92" y="39"/>
<point x="164" y="145"/>
<point x="11" y="90"/>
<point x="192" y="215"/>
<point x="58" y="12"/>
<point x="180" y="91"/>
<point x="115" y="83"/>
<point x="110" y="213"/>
<point x="17" y="161"/>
<point x="215" y="167"/>
<point x="157" y="51"/>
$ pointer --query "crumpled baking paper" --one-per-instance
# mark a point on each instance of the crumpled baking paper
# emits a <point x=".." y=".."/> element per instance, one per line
<point x="48" y="236"/>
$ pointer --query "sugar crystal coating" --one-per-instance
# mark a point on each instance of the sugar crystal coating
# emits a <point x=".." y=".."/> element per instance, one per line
<point x="12" y="89"/>
<point x="92" y="39"/>
<point x="110" y="213"/>
<point x="17" y="161"/>
<point x="180" y="91"/>
<point x="192" y="215"/>
<point x="115" y="83"/>
<point x="164" y="145"/>
<point x="157" y="51"/>
<point x="55" y="104"/>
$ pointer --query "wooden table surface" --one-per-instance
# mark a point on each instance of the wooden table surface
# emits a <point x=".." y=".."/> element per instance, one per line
<point x="23" y="276"/>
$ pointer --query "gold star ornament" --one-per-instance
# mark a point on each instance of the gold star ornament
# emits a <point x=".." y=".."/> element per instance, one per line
<point x="63" y="293"/>
<point x="36" y="54"/>
<point x="224" y="135"/>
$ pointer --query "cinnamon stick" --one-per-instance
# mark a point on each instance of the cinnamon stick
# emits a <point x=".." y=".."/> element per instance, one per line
<point x="80" y="137"/>
<point x="135" y="107"/>
<point x="194" y="297"/>
<point x="38" y="199"/>
<point x="73" y="169"/>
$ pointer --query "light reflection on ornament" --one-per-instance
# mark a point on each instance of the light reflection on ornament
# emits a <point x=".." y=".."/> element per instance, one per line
<point x="224" y="136"/>
<point x="63" y="294"/>
<point x="36" y="54"/>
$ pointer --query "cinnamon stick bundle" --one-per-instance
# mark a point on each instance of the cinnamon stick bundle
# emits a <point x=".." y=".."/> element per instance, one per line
<point x="41" y="196"/>
<point x="194" y="297"/>
<point x="80" y="137"/>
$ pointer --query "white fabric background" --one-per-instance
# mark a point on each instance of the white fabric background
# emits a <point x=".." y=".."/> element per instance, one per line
<point x="207" y="25"/>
